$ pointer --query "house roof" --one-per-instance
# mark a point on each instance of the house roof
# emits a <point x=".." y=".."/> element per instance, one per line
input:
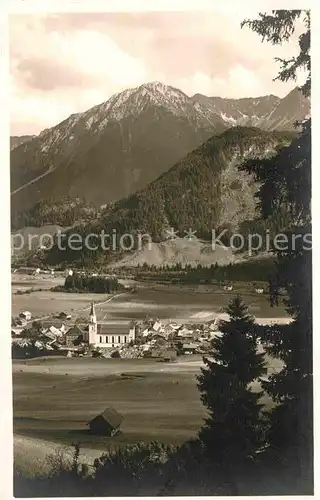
<point x="16" y="331"/>
<point x="62" y="314"/>
<point x="55" y="331"/>
<point x="111" y="416"/>
<point x="74" y="330"/>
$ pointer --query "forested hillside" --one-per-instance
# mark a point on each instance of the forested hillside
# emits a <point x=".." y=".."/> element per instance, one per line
<point x="204" y="191"/>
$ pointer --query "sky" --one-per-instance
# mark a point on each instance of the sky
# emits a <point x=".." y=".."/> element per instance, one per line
<point x="68" y="62"/>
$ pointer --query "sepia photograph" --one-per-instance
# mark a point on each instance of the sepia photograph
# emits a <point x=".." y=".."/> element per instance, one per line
<point x="161" y="252"/>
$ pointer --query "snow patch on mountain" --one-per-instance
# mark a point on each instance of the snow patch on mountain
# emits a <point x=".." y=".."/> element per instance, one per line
<point x="228" y="119"/>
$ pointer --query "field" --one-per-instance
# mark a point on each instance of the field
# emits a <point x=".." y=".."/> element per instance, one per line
<point x="54" y="398"/>
<point x="181" y="303"/>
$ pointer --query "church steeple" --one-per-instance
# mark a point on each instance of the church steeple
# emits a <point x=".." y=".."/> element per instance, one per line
<point x="93" y="317"/>
<point x="93" y="326"/>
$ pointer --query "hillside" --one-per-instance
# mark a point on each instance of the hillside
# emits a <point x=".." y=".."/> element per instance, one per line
<point x="204" y="191"/>
<point x="62" y="211"/>
<point x="179" y="251"/>
<point x="16" y="140"/>
<point x="120" y="146"/>
<point x="26" y="244"/>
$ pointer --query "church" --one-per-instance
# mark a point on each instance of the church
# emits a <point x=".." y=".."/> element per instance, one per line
<point x="108" y="333"/>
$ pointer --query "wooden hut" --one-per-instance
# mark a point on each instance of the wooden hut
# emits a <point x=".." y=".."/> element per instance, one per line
<point x="106" y="423"/>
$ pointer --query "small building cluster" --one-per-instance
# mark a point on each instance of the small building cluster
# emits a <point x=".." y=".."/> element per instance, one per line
<point x="152" y="338"/>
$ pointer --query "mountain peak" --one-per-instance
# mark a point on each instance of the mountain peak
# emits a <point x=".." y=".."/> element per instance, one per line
<point x="136" y="100"/>
<point x="156" y="86"/>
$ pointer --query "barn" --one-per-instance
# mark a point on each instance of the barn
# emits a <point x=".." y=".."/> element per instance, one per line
<point x="106" y="423"/>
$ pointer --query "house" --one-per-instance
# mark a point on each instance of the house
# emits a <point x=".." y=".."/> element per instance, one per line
<point x="62" y="315"/>
<point x="159" y="338"/>
<point x="215" y="334"/>
<point x="174" y="326"/>
<point x="26" y="315"/>
<point x="75" y="334"/>
<point x="106" y="423"/>
<point x="146" y="332"/>
<point x="108" y="333"/>
<point x="185" y="332"/>
<point x="16" y="332"/>
<point x="157" y="326"/>
<point x="39" y="344"/>
<point x="50" y="336"/>
<point x="56" y="331"/>
<point x="189" y="348"/>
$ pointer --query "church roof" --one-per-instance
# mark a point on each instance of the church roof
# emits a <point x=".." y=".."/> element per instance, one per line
<point x="92" y="310"/>
<point x="113" y="328"/>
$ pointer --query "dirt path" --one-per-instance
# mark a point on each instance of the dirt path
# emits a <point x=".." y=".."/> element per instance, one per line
<point x="87" y="308"/>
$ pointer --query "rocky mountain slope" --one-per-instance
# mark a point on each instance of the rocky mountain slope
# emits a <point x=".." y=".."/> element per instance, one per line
<point x="111" y="150"/>
<point x="267" y="112"/>
<point x="118" y="147"/>
<point x="205" y="191"/>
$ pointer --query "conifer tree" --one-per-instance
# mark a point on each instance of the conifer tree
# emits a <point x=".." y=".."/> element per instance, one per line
<point x="286" y="184"/>
<point x="232" y="432"/>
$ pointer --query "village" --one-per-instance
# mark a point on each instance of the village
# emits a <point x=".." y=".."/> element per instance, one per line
<point x="148" y="337"/>
<point x="65" y="333"/>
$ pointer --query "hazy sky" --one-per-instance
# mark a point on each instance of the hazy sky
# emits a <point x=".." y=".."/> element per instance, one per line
<point x="66" y="63"/>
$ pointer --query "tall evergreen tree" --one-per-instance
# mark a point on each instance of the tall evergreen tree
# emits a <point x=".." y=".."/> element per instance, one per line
<point x="232" y="432"/>
<point x="286" y="184"/>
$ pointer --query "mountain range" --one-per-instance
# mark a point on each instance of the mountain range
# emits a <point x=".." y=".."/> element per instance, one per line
<point x="120" y="146"/>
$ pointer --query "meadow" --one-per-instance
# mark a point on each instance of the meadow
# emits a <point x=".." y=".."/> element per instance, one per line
<point x="157" y="402"/>
<point x="181" y="303"/>
<point x="54" y="399"/>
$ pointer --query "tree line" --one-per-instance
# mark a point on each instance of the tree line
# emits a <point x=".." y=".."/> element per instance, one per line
<point x="94" y="284"/>
<point x="253" y="270"/>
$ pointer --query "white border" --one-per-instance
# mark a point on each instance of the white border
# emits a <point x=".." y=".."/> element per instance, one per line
<point x="40" y="6"/>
